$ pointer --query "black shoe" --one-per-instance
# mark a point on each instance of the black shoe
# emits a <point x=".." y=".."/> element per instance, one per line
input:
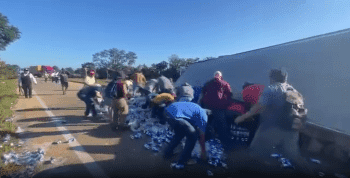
<point x="26" y="96"/>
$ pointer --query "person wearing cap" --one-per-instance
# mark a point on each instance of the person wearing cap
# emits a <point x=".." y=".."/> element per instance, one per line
<point x="89" y="77"/>
<point x="184" y="92"/>
<point x="64" y="80"/>
<point x="188" y="120"/>
<point x="26" y="78"/>
<point x="216" y="95"/>
<point x="164" y="85"/>
<point x="275" y="132"/>
<point x="88" y="95"/>
<point x="139" y="81"/>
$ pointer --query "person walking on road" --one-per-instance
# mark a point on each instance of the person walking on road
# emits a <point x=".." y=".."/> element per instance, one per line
<point x="26" y="80"/>
<point x="188" y="120"/>
<point x="64" y="80"/>
<point x="46" y="75"/>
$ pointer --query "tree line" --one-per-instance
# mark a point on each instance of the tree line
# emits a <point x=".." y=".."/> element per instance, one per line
<point x="104" y="62"/>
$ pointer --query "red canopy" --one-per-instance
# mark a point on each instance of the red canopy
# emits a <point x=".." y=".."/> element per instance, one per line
<point x="48" y="68"/>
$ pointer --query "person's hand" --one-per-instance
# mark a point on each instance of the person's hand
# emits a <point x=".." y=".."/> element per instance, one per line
<point x="239" y="119"/>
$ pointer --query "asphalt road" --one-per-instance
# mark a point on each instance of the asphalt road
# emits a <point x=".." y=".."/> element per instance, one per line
<point x="97" y="151"/>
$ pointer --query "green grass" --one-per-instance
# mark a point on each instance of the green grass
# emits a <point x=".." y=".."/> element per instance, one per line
<point x="8" y="97"/>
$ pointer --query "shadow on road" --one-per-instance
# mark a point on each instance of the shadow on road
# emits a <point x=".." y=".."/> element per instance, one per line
<point x="50" y="109"/>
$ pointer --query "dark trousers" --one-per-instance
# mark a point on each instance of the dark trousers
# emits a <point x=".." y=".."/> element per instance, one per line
<point x="64" y="87"/>
<point x="27" y="90"/>
<point x="182" y="128"/>
<point x="218" y="123"/>
<point x="89" y="102"/>
<point x="157" y="111"/>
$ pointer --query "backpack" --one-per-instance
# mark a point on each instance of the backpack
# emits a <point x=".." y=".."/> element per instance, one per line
<point x="295" y="106"/>
<point x="111" y="90"/>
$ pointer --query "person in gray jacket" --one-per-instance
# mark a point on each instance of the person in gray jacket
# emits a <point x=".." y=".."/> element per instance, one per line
<point x="25" y="80"/>
<point x="184" y="92"/>
<point x="164" y="85"/>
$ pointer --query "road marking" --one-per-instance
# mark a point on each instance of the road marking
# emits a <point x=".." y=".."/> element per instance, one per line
<point x="84" y="157"/>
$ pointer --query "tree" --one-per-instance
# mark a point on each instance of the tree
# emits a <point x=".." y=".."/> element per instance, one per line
<point x="114" y="58"/>
<point x="161" y="66"/>
<point x="56" y="68"/>
<point x="175" y="62"/>
<point x="8" y="71"/>
<point x="8" y="33"/>
<point x="70" y="70"/>
<point x="89" y="65"/>
<point x="77" y="71"/>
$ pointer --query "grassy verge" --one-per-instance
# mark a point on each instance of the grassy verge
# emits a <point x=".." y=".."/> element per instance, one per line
<point x="8" y="97"/>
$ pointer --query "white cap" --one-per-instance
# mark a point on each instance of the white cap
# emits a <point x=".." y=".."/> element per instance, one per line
<point x="98" y="85"/>
<point x="218" y="73"/>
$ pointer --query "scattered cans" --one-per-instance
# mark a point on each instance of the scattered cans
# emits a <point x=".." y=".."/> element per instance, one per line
<point x="210" y="173"/>
<point x="285" y="163"/>
<point x="275" y="155"/>
<point x="315" y="161"/>
<point x="71" y="140"/>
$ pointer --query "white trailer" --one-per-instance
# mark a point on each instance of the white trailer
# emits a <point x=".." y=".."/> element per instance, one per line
<point x="318" y="67"/>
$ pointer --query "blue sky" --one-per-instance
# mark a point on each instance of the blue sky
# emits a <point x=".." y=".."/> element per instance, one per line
<point x="67" y="33"/>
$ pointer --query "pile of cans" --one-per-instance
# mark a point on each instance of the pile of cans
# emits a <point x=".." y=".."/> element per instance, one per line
<point x="239" y="134"/>
<point x="143" y="124"/>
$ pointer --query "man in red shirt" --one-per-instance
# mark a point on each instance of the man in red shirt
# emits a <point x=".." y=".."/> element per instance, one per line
<point x="251" y="94"/>
<point x="216" y="96"/>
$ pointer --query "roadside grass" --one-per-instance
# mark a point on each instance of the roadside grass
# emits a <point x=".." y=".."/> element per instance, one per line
<point x="8" y="97"/>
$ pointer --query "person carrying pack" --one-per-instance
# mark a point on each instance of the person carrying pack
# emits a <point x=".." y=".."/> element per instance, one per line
<point x="282" y="116"/>
<point x="25" y="80"/>
<point x="64" y="80"/>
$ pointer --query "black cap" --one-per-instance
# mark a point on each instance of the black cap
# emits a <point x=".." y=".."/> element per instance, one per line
<point x="26" y="69"/>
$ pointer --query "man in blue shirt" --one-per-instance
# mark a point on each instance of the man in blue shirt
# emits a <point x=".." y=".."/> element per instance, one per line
<point x="188" y="120"/>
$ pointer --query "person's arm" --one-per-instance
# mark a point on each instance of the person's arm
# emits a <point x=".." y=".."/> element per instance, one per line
<point x="255" y="109"/>
<point x="33" y="78"/>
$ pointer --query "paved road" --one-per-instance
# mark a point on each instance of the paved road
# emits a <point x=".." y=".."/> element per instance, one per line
<point x="97" y="151"/>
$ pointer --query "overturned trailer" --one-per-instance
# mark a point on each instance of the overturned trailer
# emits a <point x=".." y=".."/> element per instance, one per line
<point x="318" y="67"/>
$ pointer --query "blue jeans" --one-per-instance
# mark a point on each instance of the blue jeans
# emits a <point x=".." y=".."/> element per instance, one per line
<point x="185" y="99"/>
<point x="182" y="128"/>
<point x="89" y="102"/>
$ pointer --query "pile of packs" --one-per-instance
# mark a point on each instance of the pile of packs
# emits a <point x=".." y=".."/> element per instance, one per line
<point x="142" y="124"/>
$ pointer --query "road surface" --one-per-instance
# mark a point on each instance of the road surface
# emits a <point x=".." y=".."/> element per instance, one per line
<point x="97" y="151"/>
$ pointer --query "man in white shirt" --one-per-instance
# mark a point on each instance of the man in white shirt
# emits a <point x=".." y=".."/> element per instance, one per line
<point x="25" y="80"/>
